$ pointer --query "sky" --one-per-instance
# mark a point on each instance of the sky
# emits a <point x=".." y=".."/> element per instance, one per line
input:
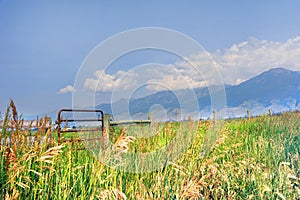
<point x="44" y="43"/>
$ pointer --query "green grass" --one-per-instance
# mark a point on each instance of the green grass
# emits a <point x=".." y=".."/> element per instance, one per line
<point x="252" y="159"/>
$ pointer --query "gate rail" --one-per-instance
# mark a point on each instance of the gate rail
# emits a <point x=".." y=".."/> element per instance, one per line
<point x="60" y="120"/>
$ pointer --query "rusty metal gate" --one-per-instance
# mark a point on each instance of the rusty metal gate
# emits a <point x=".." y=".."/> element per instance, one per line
<point x="99" y="118"/>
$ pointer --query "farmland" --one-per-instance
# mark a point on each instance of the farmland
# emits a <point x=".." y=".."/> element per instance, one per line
<point x="251" y="159"/>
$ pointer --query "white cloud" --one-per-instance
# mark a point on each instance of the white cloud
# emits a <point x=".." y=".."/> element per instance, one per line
<point x="246" y="59"/>
<point x="103" y="82"/>
<point x="236" y="64"/>
<point x="66" y="89"/>
<point x="152" y="77"/>
<point x="173" y="81"/>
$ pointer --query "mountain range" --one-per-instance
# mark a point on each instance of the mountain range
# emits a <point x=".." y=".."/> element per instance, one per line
<point x="277" y="88"/>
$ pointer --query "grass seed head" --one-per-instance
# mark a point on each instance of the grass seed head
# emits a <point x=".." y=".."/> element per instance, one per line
<point x="14" y="111"/>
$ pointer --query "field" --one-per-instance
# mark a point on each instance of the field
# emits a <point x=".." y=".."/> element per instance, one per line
<point x="251" y="159"/>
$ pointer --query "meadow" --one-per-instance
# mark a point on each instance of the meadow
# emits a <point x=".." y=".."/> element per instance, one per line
<point x="251" y="159"/>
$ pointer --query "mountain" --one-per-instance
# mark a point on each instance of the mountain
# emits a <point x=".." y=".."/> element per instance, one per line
<point x="278" y="88"/>
<point x="276" y="84"/>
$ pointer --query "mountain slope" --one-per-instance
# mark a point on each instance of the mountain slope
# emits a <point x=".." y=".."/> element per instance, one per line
<point x="277" y="84"/>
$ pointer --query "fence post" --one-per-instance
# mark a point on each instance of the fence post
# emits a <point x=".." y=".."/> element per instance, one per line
<point x="150" y="116"/>
<point x="215" y="115"/>
<point x="248" y="114"/>
<point x="105" y="134"/>
<point x="176" y="115"/>
<point x="106" y="123"/>
<point x="270" y="112"/>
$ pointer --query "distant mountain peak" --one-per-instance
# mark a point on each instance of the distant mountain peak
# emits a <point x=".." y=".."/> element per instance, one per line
<point x="279" y="70"/>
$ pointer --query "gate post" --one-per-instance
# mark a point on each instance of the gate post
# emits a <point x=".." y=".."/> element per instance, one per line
<point x="106" y="126"/>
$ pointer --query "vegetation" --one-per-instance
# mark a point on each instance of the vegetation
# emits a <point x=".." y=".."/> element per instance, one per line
<point x="252" y="159"/>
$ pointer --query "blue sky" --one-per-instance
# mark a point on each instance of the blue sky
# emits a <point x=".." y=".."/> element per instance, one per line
<point x="43" y="43"/>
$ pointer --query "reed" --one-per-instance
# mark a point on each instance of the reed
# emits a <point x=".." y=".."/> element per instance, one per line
<point x="251" y="159"/>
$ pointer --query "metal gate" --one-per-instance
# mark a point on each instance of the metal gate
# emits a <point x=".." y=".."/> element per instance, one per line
<point x="99" y="118"/>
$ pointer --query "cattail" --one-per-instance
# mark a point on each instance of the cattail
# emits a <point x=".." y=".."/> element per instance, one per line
<point x="15" y="194"/>
<point x="122" y="142"/>
<point x="7" y="158"/>
<point x="50" y="154"/>
<point x="10" y="156"/>
<point x="119" y="194"/>
<point x="191" y="190"/>
<point x="168" y="129"/>
<point x="14" y="111"/>
<point x="5" y="122"/>
<point x="14" y="144"/>
<point x="22" y="124"/>
<point x="111" y="194"/>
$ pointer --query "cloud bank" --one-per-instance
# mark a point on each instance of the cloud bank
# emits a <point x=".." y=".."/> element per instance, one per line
<point x="103" y="82"/>
<point x="236" y="64"/>
<point x="252" y="57"/>
<point x="66" y="89"/>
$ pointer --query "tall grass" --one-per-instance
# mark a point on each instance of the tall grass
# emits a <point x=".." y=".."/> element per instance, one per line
<point x="252" y="159"/>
